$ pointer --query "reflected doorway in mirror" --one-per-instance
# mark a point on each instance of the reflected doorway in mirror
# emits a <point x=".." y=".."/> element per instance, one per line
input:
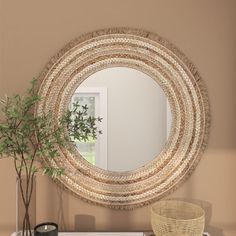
<point x="94" y="151"/>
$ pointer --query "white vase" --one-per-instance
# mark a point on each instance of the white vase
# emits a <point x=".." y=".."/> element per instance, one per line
<point x="20" y="209"/>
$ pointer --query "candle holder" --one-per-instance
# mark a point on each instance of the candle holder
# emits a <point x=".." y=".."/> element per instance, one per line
<point x="46" y="229"/>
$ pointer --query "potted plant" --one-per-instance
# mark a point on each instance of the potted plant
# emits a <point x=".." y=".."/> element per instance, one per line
<point x="28" y="138"/>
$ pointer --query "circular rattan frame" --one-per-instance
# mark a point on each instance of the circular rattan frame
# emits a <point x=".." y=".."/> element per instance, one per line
<point x="182" y="85"/>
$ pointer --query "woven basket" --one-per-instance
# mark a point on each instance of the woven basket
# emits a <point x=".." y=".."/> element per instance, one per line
<point x="177" y="218"/>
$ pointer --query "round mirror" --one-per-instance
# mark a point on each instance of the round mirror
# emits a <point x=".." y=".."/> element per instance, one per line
<point x="135" y="114"/>
<point x="117" y="72"/>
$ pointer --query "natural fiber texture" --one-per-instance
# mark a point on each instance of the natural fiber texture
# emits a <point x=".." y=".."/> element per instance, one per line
<point x="177" y="218"/>
<point x="180" y="82"/>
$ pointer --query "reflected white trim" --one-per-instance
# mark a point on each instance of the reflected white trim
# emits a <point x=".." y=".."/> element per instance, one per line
<point x="100" y="95"/>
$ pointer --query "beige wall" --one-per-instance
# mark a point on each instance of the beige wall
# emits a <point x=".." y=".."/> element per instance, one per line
<point x="205" y="30"/>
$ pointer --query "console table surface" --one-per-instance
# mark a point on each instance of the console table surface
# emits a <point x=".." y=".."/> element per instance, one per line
<point x="107" y="234"/>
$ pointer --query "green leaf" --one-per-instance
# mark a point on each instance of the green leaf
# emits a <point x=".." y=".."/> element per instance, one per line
<point x="34" y="169"/>
<point x="24" y="135"/>
<point x="4" y="126"/>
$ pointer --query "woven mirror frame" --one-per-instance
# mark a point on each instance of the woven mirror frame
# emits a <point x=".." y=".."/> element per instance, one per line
<point x="181" y="83"/>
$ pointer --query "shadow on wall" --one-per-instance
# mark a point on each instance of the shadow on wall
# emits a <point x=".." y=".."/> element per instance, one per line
<point x="214" y="231"/>
<point x="84" y="223"/>
<point x="207" y="207"/>
<point x="60" y="211"/>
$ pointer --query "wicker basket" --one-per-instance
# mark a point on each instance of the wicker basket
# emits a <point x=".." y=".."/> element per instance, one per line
<point x="177" y="218"/>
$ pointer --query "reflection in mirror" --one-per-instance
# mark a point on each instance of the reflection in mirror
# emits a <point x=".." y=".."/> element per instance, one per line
<point x="136" y="118"/>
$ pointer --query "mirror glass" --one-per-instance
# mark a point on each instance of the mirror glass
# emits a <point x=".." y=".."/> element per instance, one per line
<point x="136" y="118"/>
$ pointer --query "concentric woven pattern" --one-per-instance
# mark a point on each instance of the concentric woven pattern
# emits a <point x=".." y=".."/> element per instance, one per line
<point x="180" y="82"/>
<point x="177" y="218"/>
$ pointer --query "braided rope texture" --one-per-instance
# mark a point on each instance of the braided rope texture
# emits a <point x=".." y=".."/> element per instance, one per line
<point x="186" y="93"/>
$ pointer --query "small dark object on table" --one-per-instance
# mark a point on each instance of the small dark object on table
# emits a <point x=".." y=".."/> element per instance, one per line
<point x="46" y="229"/>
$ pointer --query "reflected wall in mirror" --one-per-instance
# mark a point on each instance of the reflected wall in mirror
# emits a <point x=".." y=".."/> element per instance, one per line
<point x="145" y="56"/>
<point x="136" y="118"/>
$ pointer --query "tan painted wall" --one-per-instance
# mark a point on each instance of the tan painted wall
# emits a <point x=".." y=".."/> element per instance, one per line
<point x="205" y="30"/>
